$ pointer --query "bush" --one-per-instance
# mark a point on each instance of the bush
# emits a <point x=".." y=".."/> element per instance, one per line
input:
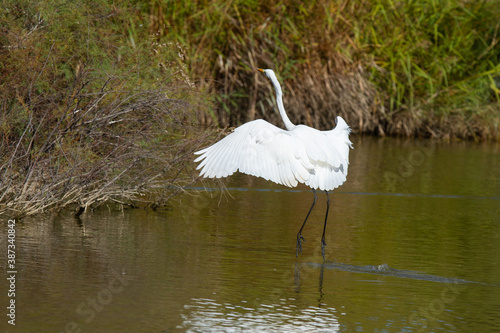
<point x="94" y="109"/>
<point x="388" y="67"/>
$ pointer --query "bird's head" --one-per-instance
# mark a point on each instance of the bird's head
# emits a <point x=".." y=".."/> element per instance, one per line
<point x="269" y="73"/>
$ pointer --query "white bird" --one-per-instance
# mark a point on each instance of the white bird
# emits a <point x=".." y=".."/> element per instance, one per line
<point x="299" y="154"/>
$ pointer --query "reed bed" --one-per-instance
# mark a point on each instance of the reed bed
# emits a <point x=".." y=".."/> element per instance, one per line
<point x="408" y="68"/>
<point x="102" y="101"/>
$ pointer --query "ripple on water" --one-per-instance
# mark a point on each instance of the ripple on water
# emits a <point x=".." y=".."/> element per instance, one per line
<point x="207" y="315"/>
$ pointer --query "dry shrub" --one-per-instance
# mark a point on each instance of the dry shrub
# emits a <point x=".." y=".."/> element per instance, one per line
<point x="90" y="114"/>
<point x="390" y="68"/>
<point x="321" y="91"/>
<point x="109" y="145"/>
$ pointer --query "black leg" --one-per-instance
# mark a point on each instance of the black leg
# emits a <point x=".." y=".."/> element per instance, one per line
<point x="299" y="234"/>
<point x="323" y="244"/>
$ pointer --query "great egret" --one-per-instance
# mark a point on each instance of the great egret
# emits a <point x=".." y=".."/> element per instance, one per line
<point x="300" y="154"/>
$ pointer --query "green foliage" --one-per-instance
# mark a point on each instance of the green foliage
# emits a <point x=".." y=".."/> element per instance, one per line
<point x="426" y="60"/>
<point x="434" y="53"/>
<point x="97" y="100"/>
<point x="94" y="106"/>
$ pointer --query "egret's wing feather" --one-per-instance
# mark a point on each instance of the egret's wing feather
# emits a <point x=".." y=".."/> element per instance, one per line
<point x="328" y="152"/>
<point x="260" y="149"/>
<point x="303" y="154"/>
<point x="339" y="140"/>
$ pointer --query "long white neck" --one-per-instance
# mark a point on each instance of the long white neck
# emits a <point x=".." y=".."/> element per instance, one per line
<point x="279" y="100"/>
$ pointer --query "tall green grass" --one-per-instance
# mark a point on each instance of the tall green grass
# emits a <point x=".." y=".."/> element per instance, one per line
<point x="390" y="67"/>
<point x="441" y="54"/>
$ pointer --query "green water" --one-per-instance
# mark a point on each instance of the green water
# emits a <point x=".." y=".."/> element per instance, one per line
<point x="225" y="261"/>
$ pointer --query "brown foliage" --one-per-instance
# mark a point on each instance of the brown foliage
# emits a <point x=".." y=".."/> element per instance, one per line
<point x="88" y="116"/>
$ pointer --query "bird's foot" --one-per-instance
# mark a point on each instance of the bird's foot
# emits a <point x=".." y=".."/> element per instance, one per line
<point x="299" y="244"/>
<point x="323" y="245"/>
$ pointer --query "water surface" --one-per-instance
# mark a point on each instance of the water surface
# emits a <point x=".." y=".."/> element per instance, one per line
<point x="413" y="246"/>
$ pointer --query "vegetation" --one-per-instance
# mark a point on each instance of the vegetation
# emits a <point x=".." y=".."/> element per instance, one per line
<point x="412" y="68"/>
<point x="99" y="102"/>
<point x="94" y="109"/>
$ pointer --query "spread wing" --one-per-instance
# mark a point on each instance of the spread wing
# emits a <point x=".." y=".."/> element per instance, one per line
<point x="260" y="149"/>
<point x="303" y="154"/>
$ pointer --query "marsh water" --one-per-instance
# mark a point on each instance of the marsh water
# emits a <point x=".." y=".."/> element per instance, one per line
<point x="413" y="245"/>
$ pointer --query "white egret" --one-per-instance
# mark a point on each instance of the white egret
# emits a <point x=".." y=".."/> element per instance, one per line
<point x="299" y="154"/>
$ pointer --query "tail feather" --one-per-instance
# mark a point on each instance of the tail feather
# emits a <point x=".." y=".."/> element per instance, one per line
<point x="342" y="131"/>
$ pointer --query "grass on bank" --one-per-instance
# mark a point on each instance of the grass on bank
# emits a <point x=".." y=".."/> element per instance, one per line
<point x="411" y="68"/>
<point x="98" y="104"/>
<point x="94" y="108"/>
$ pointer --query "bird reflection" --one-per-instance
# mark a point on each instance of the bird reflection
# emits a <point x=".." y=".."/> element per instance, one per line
<point x="306" y="275"/>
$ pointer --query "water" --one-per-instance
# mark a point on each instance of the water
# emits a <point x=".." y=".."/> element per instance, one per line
<point x="413" y="246"/>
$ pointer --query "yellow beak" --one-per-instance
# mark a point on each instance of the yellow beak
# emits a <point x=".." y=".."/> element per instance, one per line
<point x="260" y="70"/>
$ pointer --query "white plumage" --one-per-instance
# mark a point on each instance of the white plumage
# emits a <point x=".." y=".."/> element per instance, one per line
<point x="319" y="159"/>
<point x="299" y="154"/>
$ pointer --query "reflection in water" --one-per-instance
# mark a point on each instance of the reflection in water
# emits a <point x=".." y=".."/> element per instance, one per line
<point x="226" y="260"/>
<point x="207" y="315"/>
